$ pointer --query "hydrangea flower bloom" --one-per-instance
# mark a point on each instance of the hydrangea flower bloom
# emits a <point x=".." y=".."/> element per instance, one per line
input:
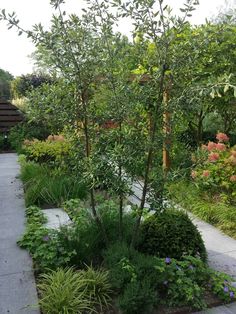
<point x="222" y="137"/>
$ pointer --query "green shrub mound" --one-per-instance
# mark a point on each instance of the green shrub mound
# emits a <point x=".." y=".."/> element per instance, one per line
<point x="171" y="234"/>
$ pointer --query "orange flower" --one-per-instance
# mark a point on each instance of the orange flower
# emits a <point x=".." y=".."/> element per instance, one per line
<point x="222" y="137"/>
<point x="213" y="157"/>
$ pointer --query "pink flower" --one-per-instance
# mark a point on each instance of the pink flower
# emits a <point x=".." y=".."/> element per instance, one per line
<point x="193" y="174"/>
<point x="233" y="178"/>
<point x="221" y="146"/>
<point x="206" y="173"/>
<point x="213" y="157"/>
<point x="222" y="137"/>
<point x="211" y="146"/>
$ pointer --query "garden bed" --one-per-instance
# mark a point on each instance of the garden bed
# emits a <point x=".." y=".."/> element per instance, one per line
<point x="219" y="214"/>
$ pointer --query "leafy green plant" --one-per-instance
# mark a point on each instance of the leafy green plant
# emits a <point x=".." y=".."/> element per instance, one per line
<point x="49" y="248"/>
<point x="62" y="292"/>
<point x="171" y="233"/>
<point x="52" y="151"/>
<point x="97" y="287"/>
<point x="30" y="130"/>
<point x="220" y="284"/>
<point x="138" y="297"/>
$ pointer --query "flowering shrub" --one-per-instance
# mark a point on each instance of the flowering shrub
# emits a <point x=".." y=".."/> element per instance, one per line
<point x="215" y="168"/>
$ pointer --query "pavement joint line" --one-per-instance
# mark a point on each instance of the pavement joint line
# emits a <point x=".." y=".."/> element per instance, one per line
<point x="222" y="252"/>
<point x="16" y="273"/>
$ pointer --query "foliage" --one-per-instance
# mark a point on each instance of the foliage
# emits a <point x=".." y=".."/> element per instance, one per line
<point x="52" y="151"/>
<point x="5" y="80"/>
<point x="212" y="211"/>
<point x="137" y="297"/>
<point x="166" y="280"/>
<point x="161" y="237"/>
<point x="220" y="284"/>
<point x="69" y="291"/>
<point x="91" y="245"/>
<point x="45" y="186"/>
<point x="97" y="287"/>
<point x="24" y="83"/>
<point x="214" y="172"/>
<point x="62" y="292"/>
<point x="26" y="130"/>
<point x="47" y="247"/>
<point x="1" y="142"/>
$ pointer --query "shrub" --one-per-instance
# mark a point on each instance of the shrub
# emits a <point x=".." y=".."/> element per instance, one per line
<point x="214" y="171"/>
<point x="138" y="297"/>
<point x="55" y="150"/>
<point x="171" y="234"/>
<point x="67" y="291"/>
<point x="23" y="130"/>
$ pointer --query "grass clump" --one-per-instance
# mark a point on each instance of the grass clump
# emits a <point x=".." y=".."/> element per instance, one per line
<point x="46" y="186"/>
<point x="66" y="291"/>
<point x="213" y="211"/>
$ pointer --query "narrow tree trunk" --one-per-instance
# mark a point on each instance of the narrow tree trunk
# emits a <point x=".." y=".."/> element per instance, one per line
<point x="166" y="131"/>
<point x="149" y="160"/>
<point x="87" y="152"/>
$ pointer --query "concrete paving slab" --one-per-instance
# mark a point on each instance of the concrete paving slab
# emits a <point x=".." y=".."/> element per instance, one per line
<point x="224" y="309"/>
<point x="14" y="260"/>
<point x="17" y="284"/>
<point x="17" y="294"/>
<point x="217" y="241"/>
<point x="225" y="262"/>
<point x="56" y="217"/>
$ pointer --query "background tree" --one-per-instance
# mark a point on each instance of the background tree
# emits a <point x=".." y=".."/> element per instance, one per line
<point x="5" y="81"/>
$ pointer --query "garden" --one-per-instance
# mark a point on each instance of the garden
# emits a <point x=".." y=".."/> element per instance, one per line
<point x="103" y="113"/>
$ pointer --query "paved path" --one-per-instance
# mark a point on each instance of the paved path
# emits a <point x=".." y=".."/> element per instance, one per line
<point x="17" y="284"/>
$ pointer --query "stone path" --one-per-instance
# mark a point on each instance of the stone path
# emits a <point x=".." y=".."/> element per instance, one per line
<point x="17" y="284"/>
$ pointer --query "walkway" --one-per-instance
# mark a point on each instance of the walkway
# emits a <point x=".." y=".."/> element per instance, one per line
<point x="17" y="285"/>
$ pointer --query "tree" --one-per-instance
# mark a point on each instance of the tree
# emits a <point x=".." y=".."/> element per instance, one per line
<point x="24" y="83"/>
<point x="5" y="80"/>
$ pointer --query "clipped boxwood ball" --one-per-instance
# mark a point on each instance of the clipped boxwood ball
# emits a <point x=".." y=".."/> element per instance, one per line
<point x="171" y="234"/>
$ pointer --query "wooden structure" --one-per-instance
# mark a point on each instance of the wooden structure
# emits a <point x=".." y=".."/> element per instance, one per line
<point x="9" y="116"/>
